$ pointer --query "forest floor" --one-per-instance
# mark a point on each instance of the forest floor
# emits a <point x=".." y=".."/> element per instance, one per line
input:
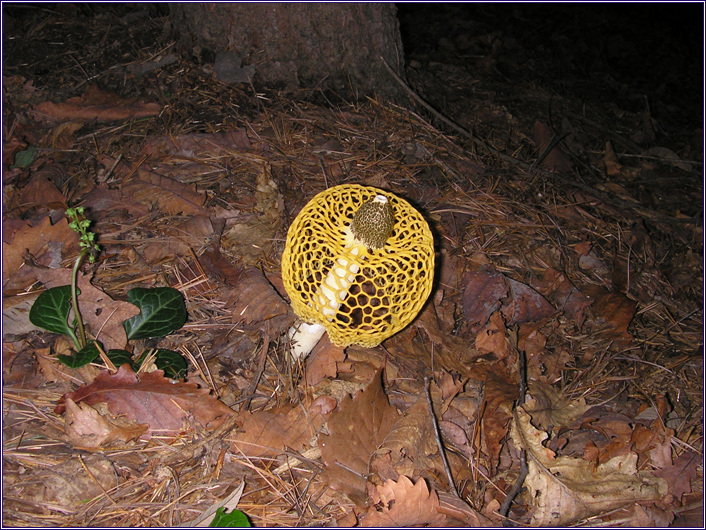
<point x="562" y="342"/>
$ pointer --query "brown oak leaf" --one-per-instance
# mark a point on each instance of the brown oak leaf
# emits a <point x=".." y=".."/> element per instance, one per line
<point x="563" y="490"/>
<point x="87" y="428"/>
<point x="357" y="428"/>
<point x="492" y="339"/>
<point x="203" y="145"/>
<point x="403" y="503"/>
<point x="410" y="443"/>
<point x="269" y="432"/>
<point x="323" y="361"/>
<point x="680" y="474"/>
<point x="255" y="300"/>
<point x="167" y="407"/>
<point x="166" y="194"/>
<point x="47" y="243"/>
<point x="96" y="104"/>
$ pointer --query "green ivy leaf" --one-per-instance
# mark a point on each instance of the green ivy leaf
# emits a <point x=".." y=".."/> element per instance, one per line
<point x="50" y="310"/>
<point x="162" y="310"/>
<point x="173" y="364"/>
<point x="85" y="355"/>
<point x="120" y="357"/>
<point x="234" y="519"/>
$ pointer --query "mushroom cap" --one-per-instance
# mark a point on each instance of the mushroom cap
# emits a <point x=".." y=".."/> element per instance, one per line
<point x="393" y="282"/>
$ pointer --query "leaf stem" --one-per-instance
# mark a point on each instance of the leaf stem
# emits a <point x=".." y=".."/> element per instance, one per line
<point x="81" y="342"/>
<point x="74" y="338"/>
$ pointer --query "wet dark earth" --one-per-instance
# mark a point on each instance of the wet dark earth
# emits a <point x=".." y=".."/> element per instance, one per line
<point x="625" y="54"/>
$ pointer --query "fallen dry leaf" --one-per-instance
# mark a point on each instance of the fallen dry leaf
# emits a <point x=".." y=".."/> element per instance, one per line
<point x="482" y="295"/>
<point x="98" y="105"/>
<point x="167" y="407"/>
<point x="18" y="366"/>
<point x="500" y="392"/>
<point x="255" y="300"/>
<point x="357" y="428"/>
<point x="197" y="145"/>
<point x="654" y="442"/>
<point x="556" y="159"/>
<point x="614" y="428"/>
<point x="10" y="148"/>
<point x="549" y="409"/>
<point x="54" y="370"/>
<point x="268" y="433"/>
<point x="613" y="166"/>
<point x="15" y="315"/>
<point x="492" y="339"/>
<point x="525" y="304"/>
<point x="71" y="483"/>
<point x="55" y="173"/>
<point x="165" y="194"/>
<point x="114" y="201"/>
<point x="47" y="243"/>
<point x="454" y="352"/>
<point x="485" y="292"/>
<point x="323" y="361"/>
<point x="402" y="503"/>
<point x="651" y="516"/>
<point x="455" y="429"/>
<point x="87" y="428"/>
<point x="63" y="345"/>
<point x="410" y="443"/>
<point x="40" y="192"/>
<point x="449" y="385"/>
<point x="680" y="474"/>
<point x="563" y="490"/>
<point x="63" y="135"/>
<point x="452" y="272"/>
<point x="250" y="238"/>
<point x="458" y="509"/>
<point x="192" y="233"/>
<point x="557" y="288"/>
<point x="613" y="314"/>
<point x="217" y="267"/>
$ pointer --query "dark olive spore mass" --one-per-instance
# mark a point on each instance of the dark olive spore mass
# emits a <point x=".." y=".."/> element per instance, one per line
<point x="373" y="222"/>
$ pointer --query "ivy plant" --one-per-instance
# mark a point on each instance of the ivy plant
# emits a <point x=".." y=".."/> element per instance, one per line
<point x="162" y="311"/>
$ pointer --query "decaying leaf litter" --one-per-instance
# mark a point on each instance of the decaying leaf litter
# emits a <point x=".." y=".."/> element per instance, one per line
<point x="598" y="285"/>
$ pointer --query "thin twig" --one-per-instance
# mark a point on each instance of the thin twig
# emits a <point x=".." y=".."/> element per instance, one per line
<point x="260" y="368"/>
<point x="189" y="451"/>
<point x="548" y="149"/>
<point x="95" y="481"/>
<point x="108" y="173"/>
<point x="524" y="471"/>
<point x="439" y="444"/>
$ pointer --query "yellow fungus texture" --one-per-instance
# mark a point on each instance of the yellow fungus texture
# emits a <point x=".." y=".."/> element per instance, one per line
<point x="381" y="290"/>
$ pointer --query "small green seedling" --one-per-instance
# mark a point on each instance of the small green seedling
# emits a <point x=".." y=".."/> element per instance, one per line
<point x="162" y="311"/>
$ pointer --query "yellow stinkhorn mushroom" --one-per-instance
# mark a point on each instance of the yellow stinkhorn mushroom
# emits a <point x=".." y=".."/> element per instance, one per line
<point x="358" y="263"/>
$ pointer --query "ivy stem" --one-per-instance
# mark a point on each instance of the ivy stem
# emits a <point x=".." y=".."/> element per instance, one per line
<point x="74" y="338"/>
<point x="74" y="300"/>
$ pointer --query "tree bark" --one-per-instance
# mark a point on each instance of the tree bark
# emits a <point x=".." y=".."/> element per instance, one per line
<point x="334" y="46"/>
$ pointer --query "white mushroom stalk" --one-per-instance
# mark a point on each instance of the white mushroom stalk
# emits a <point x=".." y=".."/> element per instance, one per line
<point x="371" y="226"/>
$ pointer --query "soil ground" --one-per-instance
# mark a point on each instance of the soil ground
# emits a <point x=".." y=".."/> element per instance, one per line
<point x="556" y="152"/>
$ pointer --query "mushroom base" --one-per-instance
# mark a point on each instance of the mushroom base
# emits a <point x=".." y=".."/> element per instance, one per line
<point x="304" y="337"/>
